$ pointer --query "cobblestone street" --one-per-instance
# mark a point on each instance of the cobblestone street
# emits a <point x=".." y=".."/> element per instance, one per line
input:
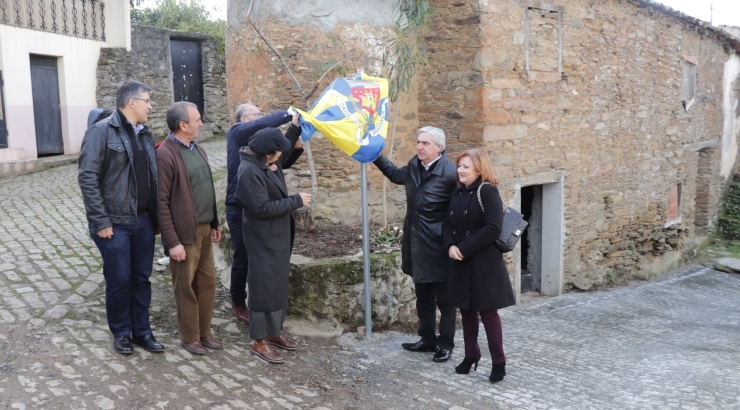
<point x="670" y="344"/>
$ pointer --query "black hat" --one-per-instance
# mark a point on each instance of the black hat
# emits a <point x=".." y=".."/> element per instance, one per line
<point x="268" y="141"/>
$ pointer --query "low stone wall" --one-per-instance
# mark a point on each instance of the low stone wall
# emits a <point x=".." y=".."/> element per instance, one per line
<point x="334" y="290"/>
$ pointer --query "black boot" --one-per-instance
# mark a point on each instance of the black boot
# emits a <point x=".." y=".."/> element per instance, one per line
<point x="497" y="372"/>
<point x="464" y="367"/>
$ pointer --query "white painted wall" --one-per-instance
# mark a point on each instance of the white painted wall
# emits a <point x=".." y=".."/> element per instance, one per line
<point x="731" y="128"/>
<point x="77" y="66"/>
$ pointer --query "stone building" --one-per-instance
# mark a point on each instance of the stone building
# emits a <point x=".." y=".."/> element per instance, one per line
<point x="612" y="124"/>
<point x="177" y="66"/>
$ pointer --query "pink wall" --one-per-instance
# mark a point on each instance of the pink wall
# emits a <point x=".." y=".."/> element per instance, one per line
<point x="74" y="124"/>
<point x="21" y="130"/>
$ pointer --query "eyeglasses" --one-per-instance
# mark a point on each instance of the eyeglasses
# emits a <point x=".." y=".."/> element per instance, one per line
<point x="146" y="100"/>
<point x="258" y="114"/>
<point x="196" y="121"/>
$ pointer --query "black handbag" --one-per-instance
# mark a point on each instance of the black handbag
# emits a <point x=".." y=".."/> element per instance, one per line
<point x="511" y="229"/>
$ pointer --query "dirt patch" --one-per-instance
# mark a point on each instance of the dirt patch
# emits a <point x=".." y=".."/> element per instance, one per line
<point x="328" y="242"/>
<point x="341" y="240"/>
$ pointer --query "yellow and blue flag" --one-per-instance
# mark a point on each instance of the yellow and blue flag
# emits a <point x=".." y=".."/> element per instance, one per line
<point x="353" y="114"/>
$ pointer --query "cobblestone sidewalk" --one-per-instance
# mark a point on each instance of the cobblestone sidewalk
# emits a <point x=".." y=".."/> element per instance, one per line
<point x="663" y="345"/>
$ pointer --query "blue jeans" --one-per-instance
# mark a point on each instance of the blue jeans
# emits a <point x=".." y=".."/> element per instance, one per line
<point x="127" y="266"/>
<point x="239" y="269"/>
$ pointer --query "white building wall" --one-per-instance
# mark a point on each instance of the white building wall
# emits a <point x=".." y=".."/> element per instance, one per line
<point x="76" y="64"/>
<point x="731" y="126"/>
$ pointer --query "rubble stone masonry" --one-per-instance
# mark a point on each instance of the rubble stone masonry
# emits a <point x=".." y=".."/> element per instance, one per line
<point x="614" y="124"/>
<point x="149" y="62"/>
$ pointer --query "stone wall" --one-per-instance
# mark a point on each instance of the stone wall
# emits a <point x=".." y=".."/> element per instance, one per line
<point x="149" y="62"/>
<point x="612" y="124"/>
<point x="334" y="290"/>
<point x="328" y="37"/>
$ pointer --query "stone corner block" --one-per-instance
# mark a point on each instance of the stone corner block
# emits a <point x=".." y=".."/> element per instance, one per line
<point x="505" y="83"/>
<point x="729" y="265"/>
<point x="504" y="132"/>
<point x="543" y="77"/>
<point x="472" y="133"/>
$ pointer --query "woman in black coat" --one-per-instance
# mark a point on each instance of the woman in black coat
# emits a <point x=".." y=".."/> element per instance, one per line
<point x="479" y="282"/>
<point x="268" y="229"/>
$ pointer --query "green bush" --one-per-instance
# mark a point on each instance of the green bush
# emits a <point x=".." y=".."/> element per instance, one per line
<point x="728" y="226"/>
<point x="181" y="15"/>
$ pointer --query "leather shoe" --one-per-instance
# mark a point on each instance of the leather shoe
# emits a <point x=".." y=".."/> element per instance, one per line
<point x="419" y="347"/>
<point x="122" y="345"/>
<point x="241" y="312"/>
<point x="210" y="342"/>
<point x="148" y="343"/>
<point x="442" y="355"/>
<point x="283" y="343"/>
<point x="263" y="350"/>
<point x="194" y="347"/>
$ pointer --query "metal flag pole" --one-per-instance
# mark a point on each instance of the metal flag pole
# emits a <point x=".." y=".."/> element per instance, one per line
<point x="365" y="242"/>
<point x="366" y="251"/>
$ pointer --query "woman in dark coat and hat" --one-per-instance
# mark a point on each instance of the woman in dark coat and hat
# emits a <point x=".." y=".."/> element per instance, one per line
<point x="268" y="229"/>
<point x="479" y="281"/>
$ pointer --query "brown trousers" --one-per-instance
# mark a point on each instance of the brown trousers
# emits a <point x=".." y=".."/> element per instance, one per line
<point x="194" y="284"/>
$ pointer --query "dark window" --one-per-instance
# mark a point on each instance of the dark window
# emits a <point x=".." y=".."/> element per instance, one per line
<point x="544" y="39"/>
<point x="689" y="84"/>
<point x="674" y="207"/>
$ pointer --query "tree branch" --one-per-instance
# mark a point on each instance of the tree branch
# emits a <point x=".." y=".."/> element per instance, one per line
<point x="279" y="56"/>
<point x="318" y="82"/>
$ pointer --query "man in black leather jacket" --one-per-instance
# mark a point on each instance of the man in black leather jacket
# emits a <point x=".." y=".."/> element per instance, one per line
<point x="117" y="172"/>
<point x="429" y="179"/>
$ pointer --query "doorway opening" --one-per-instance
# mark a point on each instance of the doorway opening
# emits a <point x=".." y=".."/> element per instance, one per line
<point x="47" y="111"/>
<point x="539" y="254"/>
<point x="187" y="72"/>
<point x="703" y="215"/>
<point x="3" y="125"/>
<point x="531" y="256"/>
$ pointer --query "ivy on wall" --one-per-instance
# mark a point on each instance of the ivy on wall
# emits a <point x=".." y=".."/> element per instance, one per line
<point x="728" y="226"/>
<point x="405" y="51"/>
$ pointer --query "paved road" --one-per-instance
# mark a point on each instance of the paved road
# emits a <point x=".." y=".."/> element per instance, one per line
<point x="663" y="345"/>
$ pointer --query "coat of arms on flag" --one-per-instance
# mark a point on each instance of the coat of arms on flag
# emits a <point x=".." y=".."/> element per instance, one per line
<point x="353" y="114"/>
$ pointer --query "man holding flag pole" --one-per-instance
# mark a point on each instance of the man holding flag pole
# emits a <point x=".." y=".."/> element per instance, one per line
<point x="429" y="178"/>
<point x="353" y="114"/>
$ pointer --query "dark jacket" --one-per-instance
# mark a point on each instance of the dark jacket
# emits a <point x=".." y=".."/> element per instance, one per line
<point x="238" y="136"/>
<point x="423" y="255"/>
<point x="269" y="234"/>
<point x="106" y="174"/>
<point x="178" y="219"/>
<point x="480" y="281"/>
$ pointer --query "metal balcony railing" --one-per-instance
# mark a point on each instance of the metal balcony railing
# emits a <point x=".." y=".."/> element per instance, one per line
<point x="79" y="18"/>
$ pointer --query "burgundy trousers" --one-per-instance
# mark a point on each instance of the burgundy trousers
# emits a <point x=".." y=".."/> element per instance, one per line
<point x="492" y="324"/>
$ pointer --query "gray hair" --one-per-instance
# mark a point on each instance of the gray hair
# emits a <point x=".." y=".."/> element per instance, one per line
<point x="129" y="90"/>
<point x="242" y="111"/>
<point x="178" y="112"/>
<point x="438" y="136"/>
